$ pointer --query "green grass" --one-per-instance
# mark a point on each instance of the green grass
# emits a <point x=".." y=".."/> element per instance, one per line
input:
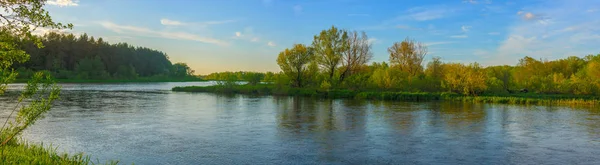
<point x="526" y="99"/>
<point x="24" y="153"/>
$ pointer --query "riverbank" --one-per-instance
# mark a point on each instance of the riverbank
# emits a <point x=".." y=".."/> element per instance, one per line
<point x="528" y="99"/>
<point x="119" y="80"/>
<point x="24" y="153"/>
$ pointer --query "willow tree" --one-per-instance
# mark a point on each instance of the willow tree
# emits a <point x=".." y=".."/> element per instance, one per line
<point x="294" y="63"/>
<point x="19" y="19"/>
<point x="408" y="55"/>
<point x="357" y="54"/>
<point x="329" y="45"/>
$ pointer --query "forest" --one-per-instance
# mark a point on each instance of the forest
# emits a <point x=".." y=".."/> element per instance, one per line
<point x="339" y="59"/>
<point x="70" y="57"/>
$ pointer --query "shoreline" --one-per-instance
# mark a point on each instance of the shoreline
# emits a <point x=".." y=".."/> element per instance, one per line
<point x="522" y="99"/>
<point x="117" y="80"/>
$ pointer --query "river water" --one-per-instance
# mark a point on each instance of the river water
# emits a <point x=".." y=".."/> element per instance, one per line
<point x="146" y="123"/>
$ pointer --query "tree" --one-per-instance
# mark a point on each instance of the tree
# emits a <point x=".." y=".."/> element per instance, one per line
<point x="294" y="63"/>
<point x="182" y="70"/>
<point x="253" y="78"/>
<point x="357" y="54"/>
<point x="91" y="68"/>
<point x="469" y="80"/>
<point x="328" y="47"/>
<point x="408" y="55"/>
<point x="19" y="19"/>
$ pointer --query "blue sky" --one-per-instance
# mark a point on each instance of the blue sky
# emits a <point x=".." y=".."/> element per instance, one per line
<point x="234" y="35"/>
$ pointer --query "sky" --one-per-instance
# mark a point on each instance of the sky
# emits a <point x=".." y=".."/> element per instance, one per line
<point x="247" y="35"/>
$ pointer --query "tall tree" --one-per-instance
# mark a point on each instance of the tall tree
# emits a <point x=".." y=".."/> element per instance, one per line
<point x="294" y="62"/>
<point x="408" y="55"/>
<point x="357" y="54"/>
<point x="329" y="46"/>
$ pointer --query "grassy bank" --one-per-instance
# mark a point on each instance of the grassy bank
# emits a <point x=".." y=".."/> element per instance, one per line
<point x="119" y="80"/>
<point x="23" y="153"/>
<point x="528" y="99"/>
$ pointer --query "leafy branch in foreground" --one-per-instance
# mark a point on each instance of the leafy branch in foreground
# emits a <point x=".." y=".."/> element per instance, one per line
<point x="40" y="92"/>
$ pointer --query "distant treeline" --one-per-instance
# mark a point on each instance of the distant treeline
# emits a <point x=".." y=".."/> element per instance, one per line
<point x="69" y="57"/>
<point x="339" y="59"/>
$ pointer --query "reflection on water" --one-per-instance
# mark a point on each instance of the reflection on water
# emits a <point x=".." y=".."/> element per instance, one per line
<point x="147" y="124"/>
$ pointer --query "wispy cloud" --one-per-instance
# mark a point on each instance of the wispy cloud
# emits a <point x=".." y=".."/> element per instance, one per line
<point x="255" y="39"/>
<point x="408" y="27"/>
<point x="141" y="31"/>
<point x="459" y="36"/>
<point x="271" y="44"/>
<point x="569" y="32"/>
<point x="465" y="28"/>
<point x="63" y="3"/>
<point x="238" y="34"/>
<point x="169" y="22"/>
<point x="494" y="33"/>
<point x="477" y="2"/>
<point x="429" y="13"/>
<point x="372" y="40"/>
<point x="439" y="43"/>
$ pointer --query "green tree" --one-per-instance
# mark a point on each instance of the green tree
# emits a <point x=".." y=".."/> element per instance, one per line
<point x="357" y="54"/>
<point x="328" y="47"/>
<point x="294" y="63"/>
<point x="182" y="70"/>
<point x="408" y="55"/>
<point x="92" y="68"/>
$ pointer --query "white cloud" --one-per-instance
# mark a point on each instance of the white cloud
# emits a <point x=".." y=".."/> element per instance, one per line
<point x="439" y="43"/>
<point x="372" y="40"/>
<point x="570" y="32"/>
<point x="465" y="28"/>
<point x="297" y="9"/>
<point x="592" y="10"/>
<point x="62" y="3"/>
<point x="141" y="31"/>
<point x="238" y="34"/>
<point x="494" y="33"/>
<point x="459" y="36"/>
<point x="271" y="44"/>
<point x="408" y="27"/>
<point x="430" y="13"/>
<point x="169" y="22"/>
<point x="255" y="39"/>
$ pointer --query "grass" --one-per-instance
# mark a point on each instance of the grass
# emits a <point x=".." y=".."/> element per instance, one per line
<point x="526" y="99"/>
<point x="24" y="153"/>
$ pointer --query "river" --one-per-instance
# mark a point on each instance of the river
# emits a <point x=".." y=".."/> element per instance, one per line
<point x="146" y="123"/>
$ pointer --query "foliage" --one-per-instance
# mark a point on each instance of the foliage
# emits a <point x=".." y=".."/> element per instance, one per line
<point x="19" y="19"/>
<point x="408" y="55"/>
<point x="356" y="55"/>
<point x="67" y="56"/>
<point x="329" y="46"/>
<point x="294" y="63"/>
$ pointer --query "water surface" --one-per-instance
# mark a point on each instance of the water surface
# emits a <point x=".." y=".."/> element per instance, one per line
<point x="146" y="123"/>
